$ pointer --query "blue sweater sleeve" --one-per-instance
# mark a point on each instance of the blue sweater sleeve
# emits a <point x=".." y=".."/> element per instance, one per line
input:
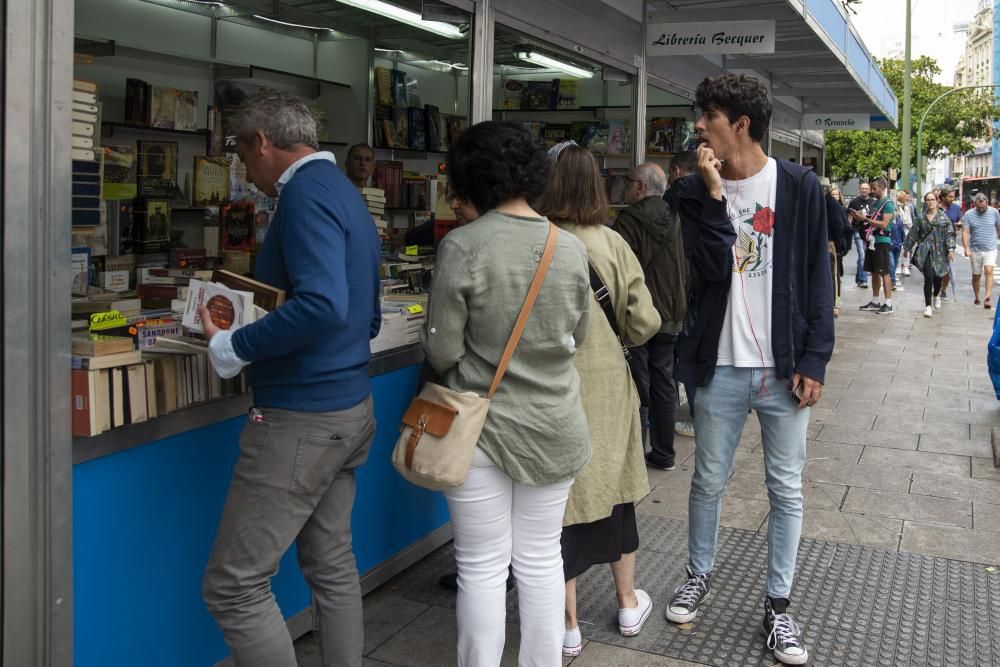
<point x="312" y="241"/>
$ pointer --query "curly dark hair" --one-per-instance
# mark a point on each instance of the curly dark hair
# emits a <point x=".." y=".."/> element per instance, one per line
<point x="737" y="95"/>
<point x="493" y="162"/>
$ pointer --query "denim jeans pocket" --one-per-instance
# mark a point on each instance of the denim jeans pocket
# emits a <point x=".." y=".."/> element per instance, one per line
<point x="318" y="459"/>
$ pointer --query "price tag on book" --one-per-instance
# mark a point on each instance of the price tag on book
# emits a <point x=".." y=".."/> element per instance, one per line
<point x="110" y="319"/>
<point x="415" y="308"/>
<point x="413" y="250"/>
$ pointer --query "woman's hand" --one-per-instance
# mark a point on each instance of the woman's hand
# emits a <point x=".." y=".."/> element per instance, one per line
<point x="951" y="255"/>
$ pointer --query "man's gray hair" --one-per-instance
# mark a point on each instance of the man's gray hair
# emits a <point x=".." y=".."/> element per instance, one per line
<point x="283" y="118"/>
<point x="980" y="197"/>
<point x="654" y="179"/>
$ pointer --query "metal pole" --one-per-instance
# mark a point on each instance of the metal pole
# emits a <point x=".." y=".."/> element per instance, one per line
<point x="920" y="132"/>
<point x="37" y="470"/>
<point x="640" y="90"/>
<point x="907" y="117"/>
<point x="482" y="62"/>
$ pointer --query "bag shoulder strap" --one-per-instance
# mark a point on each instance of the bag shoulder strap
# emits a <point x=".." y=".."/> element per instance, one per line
<point x="529" y="303"/>
<point x="604" y="299"/>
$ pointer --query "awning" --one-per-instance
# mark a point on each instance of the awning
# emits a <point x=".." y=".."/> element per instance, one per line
<point x="819" y="58"/>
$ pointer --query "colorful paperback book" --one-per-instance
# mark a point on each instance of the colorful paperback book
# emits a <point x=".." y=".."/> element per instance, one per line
<point x="569" y="94"/>
<point x="540" y="95"/>
<point x="237" y="224"/>
<point x="617" y="137"/>
<point x="230" y="309"/>
<point x="660" y="136"/>
<point x="119" y="172"/>
<point x="211" y="181"/>
<point x="383" y="86"/>
<point x="513" y="93"/>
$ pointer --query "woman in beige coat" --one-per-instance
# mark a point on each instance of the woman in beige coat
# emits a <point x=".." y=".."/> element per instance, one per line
<point x="600" y="525"/>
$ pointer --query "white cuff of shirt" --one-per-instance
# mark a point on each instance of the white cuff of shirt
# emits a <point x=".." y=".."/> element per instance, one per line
<point x="223" y="356"/>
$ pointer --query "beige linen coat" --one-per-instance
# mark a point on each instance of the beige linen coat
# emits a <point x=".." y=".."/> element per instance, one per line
<point x="616" y="473"/>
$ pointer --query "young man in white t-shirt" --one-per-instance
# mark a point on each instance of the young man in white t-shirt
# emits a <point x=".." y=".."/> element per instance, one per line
<point x="760" y="335"/>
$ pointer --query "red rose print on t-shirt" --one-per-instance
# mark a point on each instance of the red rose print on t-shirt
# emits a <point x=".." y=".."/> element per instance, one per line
<point x="763" y="220"/>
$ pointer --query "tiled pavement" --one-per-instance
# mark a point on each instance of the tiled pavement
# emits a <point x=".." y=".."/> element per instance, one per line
<point x="901" y="529"/>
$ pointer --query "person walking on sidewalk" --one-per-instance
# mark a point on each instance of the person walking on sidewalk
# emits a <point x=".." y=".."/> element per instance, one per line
<point x="906" y="213"/>
<point x="858" y="214"/>
<point x="837" y="226"/>
<point x="931" y="245"/>
<point x="653" y="231"/>
<point x="312" y="423"/>
<point x="599" y="525"/>
<point x="879" y="242"/>
<point x="760" y="339"/>
<point x="947" y="203"/>
<point x="979" y="238"/>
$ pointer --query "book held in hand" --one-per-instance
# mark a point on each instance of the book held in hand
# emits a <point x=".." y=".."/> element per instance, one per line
<point x="230" y="309"/>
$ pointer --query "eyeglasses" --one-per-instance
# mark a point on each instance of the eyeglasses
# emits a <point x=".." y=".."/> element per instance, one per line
<point x="634" y="180"/>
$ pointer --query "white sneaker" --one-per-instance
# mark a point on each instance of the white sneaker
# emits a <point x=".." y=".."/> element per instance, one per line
<point x="906" y="272"/>
<point x="928" y="312"/>
<point x="630" y="621"/>
<point x="684" y="428"/>
<point x="937" y="302"/>
<point x="572" y="642"/>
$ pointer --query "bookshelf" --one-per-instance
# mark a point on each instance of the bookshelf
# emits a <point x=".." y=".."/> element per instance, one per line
<point x="108" y="129"/>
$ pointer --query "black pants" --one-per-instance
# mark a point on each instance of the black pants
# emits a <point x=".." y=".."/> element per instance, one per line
<point x="653" y="371"/>
<point x="932" y="282"/>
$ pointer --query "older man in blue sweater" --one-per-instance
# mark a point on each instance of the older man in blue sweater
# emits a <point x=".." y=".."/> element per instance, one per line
<point x="311" y="425"/>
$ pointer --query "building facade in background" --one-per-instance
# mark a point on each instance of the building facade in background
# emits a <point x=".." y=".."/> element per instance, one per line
<point x="975" y="68"/>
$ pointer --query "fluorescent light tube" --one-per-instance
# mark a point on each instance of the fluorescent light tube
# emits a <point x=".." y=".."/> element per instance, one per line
<point x="405" y="16"/>
<point x="552" y="63"/>
<point x="291" y="25"/>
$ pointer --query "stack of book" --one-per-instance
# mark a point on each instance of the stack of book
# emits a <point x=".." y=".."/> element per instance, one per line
<point x="108" y="384"/>
<point x="401" y="324"/>
<point x="375" y="201"/>
<point x="388" y="178"/>
<point x="86" y="210"/>
<point x="86" y="123"/>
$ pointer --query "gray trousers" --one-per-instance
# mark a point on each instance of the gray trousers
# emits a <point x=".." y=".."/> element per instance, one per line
<point x="294" y="481"/>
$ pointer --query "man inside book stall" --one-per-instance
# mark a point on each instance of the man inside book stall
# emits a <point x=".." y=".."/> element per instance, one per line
<point x="307" y="364"/>
<point x="360" y="164"/>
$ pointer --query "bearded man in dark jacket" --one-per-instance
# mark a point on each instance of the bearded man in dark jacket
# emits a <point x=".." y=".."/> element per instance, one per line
<point x="653" y="231"/>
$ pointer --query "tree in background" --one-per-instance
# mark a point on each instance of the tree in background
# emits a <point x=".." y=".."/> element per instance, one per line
<point x="951" y="127"/>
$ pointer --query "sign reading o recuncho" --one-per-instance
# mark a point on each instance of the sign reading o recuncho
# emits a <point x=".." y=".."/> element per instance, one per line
<point x="836" y="121"/>
<point x="729" y="37"/>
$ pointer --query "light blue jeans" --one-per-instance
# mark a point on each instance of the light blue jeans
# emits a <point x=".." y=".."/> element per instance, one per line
<point x="859" y="247"/>
<point x="721" y="410"/>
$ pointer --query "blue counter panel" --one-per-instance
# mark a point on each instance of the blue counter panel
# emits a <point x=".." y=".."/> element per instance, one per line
<point x="144" y="520"/>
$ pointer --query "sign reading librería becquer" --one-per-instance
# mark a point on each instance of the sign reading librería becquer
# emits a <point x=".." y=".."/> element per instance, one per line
<point x="729" y="37"/>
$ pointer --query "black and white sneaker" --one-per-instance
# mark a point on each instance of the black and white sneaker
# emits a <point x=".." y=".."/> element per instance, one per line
<point x="885" y="309"/>
<point x="871" y="305"/>
<point x="784" y="637"/>
<point x="688" y="597"/>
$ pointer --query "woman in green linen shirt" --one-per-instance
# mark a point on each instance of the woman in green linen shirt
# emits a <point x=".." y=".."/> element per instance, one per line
<point x="510" y="508"/>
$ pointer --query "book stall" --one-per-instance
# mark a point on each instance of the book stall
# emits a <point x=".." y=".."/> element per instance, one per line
<point x="164" y="220"/>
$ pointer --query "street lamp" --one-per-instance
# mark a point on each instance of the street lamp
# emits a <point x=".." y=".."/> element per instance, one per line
<point x="920" y="132"/>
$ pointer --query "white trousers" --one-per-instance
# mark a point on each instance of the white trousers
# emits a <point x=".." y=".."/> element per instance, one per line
<point x="499" y="522"/>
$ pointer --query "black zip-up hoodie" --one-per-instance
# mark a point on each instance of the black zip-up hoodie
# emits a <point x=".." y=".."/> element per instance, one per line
<point x="802" y="332"/>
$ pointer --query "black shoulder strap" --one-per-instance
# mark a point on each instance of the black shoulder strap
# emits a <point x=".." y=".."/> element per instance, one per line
<point x="604" y="299"/>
